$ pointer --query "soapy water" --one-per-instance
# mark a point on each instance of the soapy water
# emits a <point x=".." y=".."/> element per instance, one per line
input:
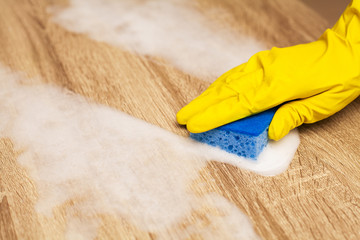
<point x="112" y="163"/>
<point x="117" y="164"/>
<point x="171" y="29"/>
<point x="176" y="31"/>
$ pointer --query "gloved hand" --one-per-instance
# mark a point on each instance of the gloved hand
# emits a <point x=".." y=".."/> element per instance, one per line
<point x="313" y="80"/>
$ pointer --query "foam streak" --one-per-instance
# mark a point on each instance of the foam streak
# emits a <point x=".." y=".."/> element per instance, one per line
<point x="108" y="162"/>
<point x="170" y="29"/>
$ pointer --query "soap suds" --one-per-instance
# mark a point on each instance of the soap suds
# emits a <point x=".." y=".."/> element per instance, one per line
<point x="171" y="29"/>
<point x="224" y="224"/>
<point x="107" y="162"/>
<point x="177" y="32"/>
<point x="81" y="230"/>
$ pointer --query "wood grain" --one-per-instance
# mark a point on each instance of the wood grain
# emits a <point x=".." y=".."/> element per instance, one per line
<point x="318" y="197"/>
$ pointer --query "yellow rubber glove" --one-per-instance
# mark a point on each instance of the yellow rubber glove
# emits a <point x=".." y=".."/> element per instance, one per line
<point x="313" y="80"/>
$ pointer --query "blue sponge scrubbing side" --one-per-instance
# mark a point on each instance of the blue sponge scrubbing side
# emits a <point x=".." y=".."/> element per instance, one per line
<point x="246" y="137"/>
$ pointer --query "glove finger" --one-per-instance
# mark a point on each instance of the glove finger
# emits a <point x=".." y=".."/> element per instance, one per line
<point x="224" y="112"/>
<point x="230" y="74"/>
<point x="243" y="102"/>
<point x="208" y="98"/>
<point x="244" y="69"/>
<point x="215" y="93"/>
<point x="309" y="110"/>
<point x="286" y="118"/>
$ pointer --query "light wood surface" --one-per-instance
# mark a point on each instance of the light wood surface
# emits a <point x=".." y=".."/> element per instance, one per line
<point x="318" y="197"/>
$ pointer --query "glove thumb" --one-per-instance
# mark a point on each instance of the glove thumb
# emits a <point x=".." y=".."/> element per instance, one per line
<point x="286" y="118"/>
<point x="309" y="110"/>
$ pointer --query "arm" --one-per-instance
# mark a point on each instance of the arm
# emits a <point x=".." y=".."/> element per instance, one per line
<point x="313" y="81"/>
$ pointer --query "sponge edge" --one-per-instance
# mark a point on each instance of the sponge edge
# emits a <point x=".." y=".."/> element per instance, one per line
<point x="246" y="137"/>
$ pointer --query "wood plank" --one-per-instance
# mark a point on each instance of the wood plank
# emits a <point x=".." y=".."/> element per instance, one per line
<point x="7" y="229"/>
<point x="318" y="197"/>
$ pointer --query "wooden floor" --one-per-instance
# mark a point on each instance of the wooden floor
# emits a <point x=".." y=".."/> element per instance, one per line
<point x="329" y="9"/>
<point x="318" y="197"/>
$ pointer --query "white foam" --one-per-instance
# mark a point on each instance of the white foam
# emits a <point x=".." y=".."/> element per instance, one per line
<point x="274" y="159"/>
<point x="81" y="230"/>
<point x="107" y="162"/>
<point x="171" y="29"/>
<point x="176" y="31"/>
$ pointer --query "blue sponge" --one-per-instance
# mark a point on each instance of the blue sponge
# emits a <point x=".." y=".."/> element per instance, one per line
<point x="246" y="137"/>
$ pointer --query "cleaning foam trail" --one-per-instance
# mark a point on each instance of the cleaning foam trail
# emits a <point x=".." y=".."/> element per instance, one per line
<point x="119" y="165"/>
<point x="174" y="30"/>
<point x="109" y="163"/>
<point x="171" y="29"/>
